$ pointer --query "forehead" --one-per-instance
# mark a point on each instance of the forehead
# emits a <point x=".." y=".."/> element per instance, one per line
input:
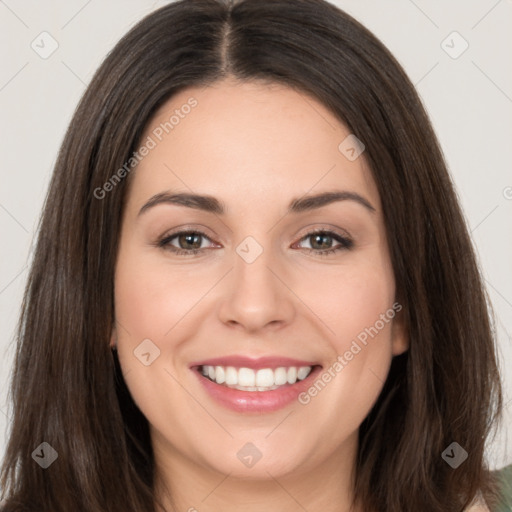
<point x="250" y="140"/>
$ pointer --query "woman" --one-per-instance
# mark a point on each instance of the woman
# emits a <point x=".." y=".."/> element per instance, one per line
<point x="253" y="285"/>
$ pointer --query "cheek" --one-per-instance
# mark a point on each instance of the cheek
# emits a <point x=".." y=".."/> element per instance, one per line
<point x="159" y="302"/>
<point x="358" y="309"/>
<point x="152" y="298"/>
<point x="351" y="300"/>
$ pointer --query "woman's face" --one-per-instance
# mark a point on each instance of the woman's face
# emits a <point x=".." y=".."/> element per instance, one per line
<point x="261" y="279"/>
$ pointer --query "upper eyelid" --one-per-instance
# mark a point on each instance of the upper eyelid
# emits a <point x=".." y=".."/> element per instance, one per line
<point x="186" y="229"/>
<point x="171" y="236"/>
<point x="331" y="230"/>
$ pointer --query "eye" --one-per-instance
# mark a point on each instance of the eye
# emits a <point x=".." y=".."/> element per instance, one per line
<point x="323" y="242"/>
<point x="185" y="243"/>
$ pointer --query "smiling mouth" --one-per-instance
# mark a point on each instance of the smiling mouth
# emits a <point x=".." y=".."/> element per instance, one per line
<point x="248" y="379"/>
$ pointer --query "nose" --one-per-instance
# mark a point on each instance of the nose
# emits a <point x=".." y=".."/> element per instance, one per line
<point x="256" y="296"/>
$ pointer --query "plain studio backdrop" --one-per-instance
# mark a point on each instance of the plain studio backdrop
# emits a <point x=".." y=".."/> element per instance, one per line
<point x="457" y="54"/>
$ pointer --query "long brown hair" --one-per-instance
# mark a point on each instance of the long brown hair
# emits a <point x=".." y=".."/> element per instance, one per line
<point x="67" y="387"/>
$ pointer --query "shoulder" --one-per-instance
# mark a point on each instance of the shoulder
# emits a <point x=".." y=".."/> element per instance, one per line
<point x="504" y="480"/>
<point x="478" y="505"/>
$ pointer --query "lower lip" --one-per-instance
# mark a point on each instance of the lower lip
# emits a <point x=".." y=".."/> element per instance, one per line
<point x="256" y="401"/>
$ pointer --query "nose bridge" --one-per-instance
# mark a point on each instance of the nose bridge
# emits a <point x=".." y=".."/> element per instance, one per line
<point x="251" y="268"/>
<point x="256" y="297"/>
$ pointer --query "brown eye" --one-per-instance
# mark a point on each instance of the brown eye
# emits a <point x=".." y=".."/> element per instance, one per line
<point x="326" y="242"/>
<point x="321" y="241"/>
<point x="185" y="242"/>
<point x="189" y="241"/>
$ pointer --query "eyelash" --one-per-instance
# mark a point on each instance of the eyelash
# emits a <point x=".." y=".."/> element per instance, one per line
<point x="345" y="242"/>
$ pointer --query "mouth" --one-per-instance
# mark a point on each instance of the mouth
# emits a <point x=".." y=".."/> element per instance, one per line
<point x="248" y="379"/>
<point x="249" y="385"/>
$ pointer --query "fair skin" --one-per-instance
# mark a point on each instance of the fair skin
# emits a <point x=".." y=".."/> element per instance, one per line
<point x="255" y="148"/>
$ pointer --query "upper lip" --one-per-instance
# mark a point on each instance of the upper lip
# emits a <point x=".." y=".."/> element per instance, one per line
<point x="255" y="363"/>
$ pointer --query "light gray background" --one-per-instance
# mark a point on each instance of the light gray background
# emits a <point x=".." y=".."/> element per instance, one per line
<point x="469" y="99"/>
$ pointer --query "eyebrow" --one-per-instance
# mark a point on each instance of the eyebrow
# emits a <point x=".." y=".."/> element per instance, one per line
<point x="211" y="204"/>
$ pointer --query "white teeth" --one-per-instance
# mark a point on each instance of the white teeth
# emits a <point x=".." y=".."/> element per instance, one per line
<point x="265" y="378"/>
<point x="220" y="374"/>
<point x="247" y="379"/>
<point x="303" y="372"/>
<point x="280" y="376"/>
<point x="231" y="376"/>
<point x="292" y="375"/>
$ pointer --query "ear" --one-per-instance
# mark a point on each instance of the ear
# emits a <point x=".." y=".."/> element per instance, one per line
<point x="399" y="334"/>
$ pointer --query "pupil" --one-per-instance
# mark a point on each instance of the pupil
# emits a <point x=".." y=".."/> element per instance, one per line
<point x="190" y="239"/>
<point x="321" y="245"/>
